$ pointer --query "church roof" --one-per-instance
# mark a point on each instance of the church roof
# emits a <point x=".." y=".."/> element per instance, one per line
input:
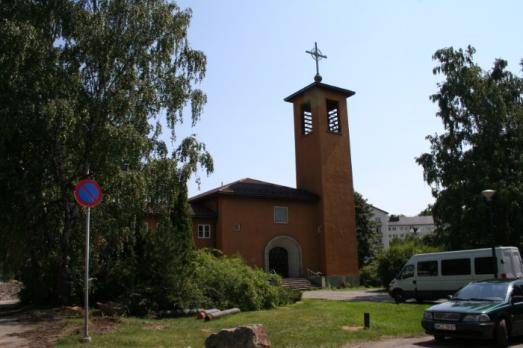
<point x="257" y="189"/>
<point x="347" y="93"/>
<point x="195" y="210"/>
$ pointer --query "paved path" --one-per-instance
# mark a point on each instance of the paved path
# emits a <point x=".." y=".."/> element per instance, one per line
<point x="12" y="331"/>
<point x="428" y="342"/>
<point x="375" y="295"/>
<point x="13" y="325"/>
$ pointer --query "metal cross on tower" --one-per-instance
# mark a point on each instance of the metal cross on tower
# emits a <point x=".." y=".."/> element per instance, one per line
<point x="317" y="56"/>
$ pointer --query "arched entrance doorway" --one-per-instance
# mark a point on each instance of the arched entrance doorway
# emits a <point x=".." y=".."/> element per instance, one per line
<point x="283" y="255"/>
<point x="279" y="261"/>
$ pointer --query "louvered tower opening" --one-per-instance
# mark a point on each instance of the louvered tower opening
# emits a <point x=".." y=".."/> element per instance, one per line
<point x="333" y="117"/>
<point x="306" y="118"/>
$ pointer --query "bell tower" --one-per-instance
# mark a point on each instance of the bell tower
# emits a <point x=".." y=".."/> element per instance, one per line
<point x="323" y="166"/>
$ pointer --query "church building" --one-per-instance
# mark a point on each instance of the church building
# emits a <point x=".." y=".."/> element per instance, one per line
<point x="293" y="231"/>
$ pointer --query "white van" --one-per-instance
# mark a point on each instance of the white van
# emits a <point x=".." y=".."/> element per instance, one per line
<point x="437" y="275"/>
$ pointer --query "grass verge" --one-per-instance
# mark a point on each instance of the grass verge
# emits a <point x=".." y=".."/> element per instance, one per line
<point x="308" y="323"/>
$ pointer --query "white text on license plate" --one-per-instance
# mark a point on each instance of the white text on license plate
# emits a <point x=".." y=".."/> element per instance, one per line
<point x="449" y="327"/>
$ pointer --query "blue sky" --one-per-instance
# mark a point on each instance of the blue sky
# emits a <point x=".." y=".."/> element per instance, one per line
<point x="382" y="50"/>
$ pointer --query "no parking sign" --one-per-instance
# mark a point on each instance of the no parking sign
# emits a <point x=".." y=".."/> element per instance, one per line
<point x="88" y="193"/>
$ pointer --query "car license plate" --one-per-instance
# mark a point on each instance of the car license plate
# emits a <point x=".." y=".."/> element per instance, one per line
<point x="448" y="327"/>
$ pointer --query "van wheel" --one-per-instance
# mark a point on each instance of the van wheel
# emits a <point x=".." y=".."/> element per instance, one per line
<point x="502" y="333"/>
<point x="398" y="296"/>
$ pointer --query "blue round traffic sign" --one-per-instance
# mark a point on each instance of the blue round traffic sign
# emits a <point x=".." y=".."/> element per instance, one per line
<point x="88" y="193"/>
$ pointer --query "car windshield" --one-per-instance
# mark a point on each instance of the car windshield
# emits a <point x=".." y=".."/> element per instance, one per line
<point x="483" y="292"/>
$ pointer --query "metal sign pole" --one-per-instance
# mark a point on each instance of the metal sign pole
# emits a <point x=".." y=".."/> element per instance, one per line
<point x="88" y="194"/>
<point x="86" y="337"/>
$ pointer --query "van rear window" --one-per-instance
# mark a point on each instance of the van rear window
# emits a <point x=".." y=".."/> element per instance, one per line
<point x="484" y="265"/>
<point x="455" y="267"/>
<point x="427" y="268"/>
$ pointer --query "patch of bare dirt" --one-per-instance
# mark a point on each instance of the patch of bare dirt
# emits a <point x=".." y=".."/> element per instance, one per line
<point x="46" y="333"/>
<point x="43" y="328"/>
<point x="104" y="325"/>
<point x="352" y="328"/>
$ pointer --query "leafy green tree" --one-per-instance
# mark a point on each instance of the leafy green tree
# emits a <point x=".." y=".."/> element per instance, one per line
<point x="381" y="270"/>
<point x="392" y="260"/>
<point x="427" y="211"/>
<point x="84" y="87"/>
<point x="481" y="147"/>
<point x="369" y="239"/>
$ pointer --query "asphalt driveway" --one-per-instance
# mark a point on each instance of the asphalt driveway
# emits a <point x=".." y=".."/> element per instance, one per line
<point x="428" y="342"/>
<point x="373" y="295"/>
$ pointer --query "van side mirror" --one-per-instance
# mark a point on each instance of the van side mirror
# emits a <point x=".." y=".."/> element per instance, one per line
<point x="450" y="297"/>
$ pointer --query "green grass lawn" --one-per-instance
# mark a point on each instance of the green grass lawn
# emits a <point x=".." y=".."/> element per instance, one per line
<point x="309" y="323"/>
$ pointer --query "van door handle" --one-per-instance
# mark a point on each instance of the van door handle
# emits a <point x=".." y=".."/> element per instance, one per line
<point x="413" y="282"/>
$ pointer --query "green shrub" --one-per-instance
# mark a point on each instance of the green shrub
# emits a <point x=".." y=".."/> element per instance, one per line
<point x="392" y="259"/>
<point x="369" y="275"/>
<point x="216" y="281"/>
<point x="139" y="303"/>
<point x="225" y="282"/>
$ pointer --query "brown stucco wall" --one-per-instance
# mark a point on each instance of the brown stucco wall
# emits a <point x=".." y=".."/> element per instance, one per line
<point x="323" y="166"/>
<point x="255" y="215"/>
<point x="152" y="223"/>
<point x="204" y="243"/>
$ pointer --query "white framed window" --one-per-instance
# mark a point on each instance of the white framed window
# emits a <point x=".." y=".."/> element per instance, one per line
<point x="281" y="215"/>
<point x="204" y="231"/>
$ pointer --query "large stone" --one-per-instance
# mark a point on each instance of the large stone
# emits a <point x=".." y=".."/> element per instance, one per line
<point x="249" y="336"/>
